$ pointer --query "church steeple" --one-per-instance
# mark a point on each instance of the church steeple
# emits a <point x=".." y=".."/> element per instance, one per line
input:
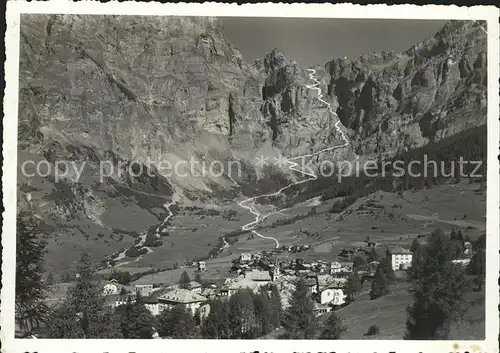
<point x="276" y="270"/>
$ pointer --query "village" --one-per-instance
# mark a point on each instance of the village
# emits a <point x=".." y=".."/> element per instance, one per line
<point x="326" y="282"/>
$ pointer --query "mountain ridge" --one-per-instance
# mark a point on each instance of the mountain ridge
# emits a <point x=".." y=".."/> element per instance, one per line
<point x="125" y="90"/>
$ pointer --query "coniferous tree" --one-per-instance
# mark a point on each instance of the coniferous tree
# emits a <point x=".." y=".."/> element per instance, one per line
<point x="415" y="246"/>
<point x="276" y="308"/>
<point x="184" y="280"/>
<point x="353" y="285"/>
<point x="477" y="267"/>
<point x="217" y="325"/>
<point x="242" y="314"/>
<point x="379" y="285"/>
<point x="453" y="234"/>
<point x="358" y="262"/>
<point x="176" y="323"/>
<point x="480" y="243"/>
<point x="438" y="291"/>
<point x="333" y="328"/>
<point x="31" y="288"/>
<point x="298" y="319"/>
<point x="373" y="255"/>
<point x="456" y="244"/>
<point x="263" y="313"/>
<point x="460" y="237"/>
<point x="50" y="279"/>
<point x="386" y="268"/>
<point x="136" y="321"/>
<point x="84" y="313"/>
<point x="198" y="278"/>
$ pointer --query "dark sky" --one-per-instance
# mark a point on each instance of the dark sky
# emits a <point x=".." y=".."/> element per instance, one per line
<point x="317" y="41"/>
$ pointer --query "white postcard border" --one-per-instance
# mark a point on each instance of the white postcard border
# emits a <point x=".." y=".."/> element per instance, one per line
<point x="15" y="8"/>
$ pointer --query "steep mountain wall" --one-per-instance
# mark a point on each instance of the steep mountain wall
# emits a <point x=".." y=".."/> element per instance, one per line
<point x="125" y="89"/>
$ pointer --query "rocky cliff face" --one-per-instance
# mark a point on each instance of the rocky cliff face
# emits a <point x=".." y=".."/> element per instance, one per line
<point x="405" y="100"/>
<point x="126" y="89"/>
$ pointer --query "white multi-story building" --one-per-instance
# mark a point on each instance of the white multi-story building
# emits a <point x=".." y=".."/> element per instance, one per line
<point x="400" y="258"/>
<point x="110" y="289"/>
<point x="333" y="296"/>
<point x="191" y="301"/>
<point x="335" y="267"/>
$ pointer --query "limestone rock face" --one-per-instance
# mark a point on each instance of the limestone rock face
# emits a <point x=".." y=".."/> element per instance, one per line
<point x="140" y="88"/>
<point x="125" y="90"/>
<point x="433" y="90"/>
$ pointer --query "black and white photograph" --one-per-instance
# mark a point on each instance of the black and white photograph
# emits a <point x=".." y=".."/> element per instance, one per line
<point x="250" y="177"/>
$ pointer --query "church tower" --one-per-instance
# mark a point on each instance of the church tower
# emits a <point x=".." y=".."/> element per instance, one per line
<point x="276" y="271"/>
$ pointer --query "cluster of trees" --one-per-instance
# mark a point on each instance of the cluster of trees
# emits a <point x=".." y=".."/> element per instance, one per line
<point x="84" y="313"/>
<point x="456" y="245"/>
<point x="178" y="322"/>
<point x="477" y="265"/>
<point x="384" y="276"/>
<point x="244" y="315"/>
<point x="299" y="321"/>
<point x="341" y="205"/>
<point x="31" y="286"/>
<point x="252" y="315"/>
<point x="122" y="277"/>
<point x="353" y="286"/>
<point x="438" y="289"/>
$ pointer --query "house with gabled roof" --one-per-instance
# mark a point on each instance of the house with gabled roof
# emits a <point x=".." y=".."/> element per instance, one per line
<point x="195" y="287"/>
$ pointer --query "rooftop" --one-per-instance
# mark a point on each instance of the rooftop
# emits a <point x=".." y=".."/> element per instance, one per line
<point x="208" y="291"/>
<point x="194" y="284"/>
<point x="398" y="250"/>
<point x="319" y="306"/>
<point x="183" y="296"/>
<point x="258" y="275"/>
<point x="242" y="284"/>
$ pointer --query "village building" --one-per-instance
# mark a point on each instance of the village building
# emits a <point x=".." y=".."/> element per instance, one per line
<point x="115" y="300"/>
<point x="321" y="309"/>
<point x="202" y="265"/>
<point x="124" y="299"/>
<point x="195" y="287"/>
<point x="467" y="248"/>
<point x="209" y="293"/>
<point x="330" y="290"/>
<point x="332" y="295"/>
<point x="399" y="258"/>
<point x="243" y="283"/>
<point x="461" y="262"/>
<point x="111" y="288"/>
<point x="260" y="277"/>
<point x="347" y="266"/>
<point x="276" y="273"/>
<point x="245" y="257"/>
<point x="203" y="311"/>
<point x="152" y="304"/>
<point x="335" y="267"/>
<point x="145" y="290"/>
<point x="191" y="301"/>
<point x="312" y="285"/>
